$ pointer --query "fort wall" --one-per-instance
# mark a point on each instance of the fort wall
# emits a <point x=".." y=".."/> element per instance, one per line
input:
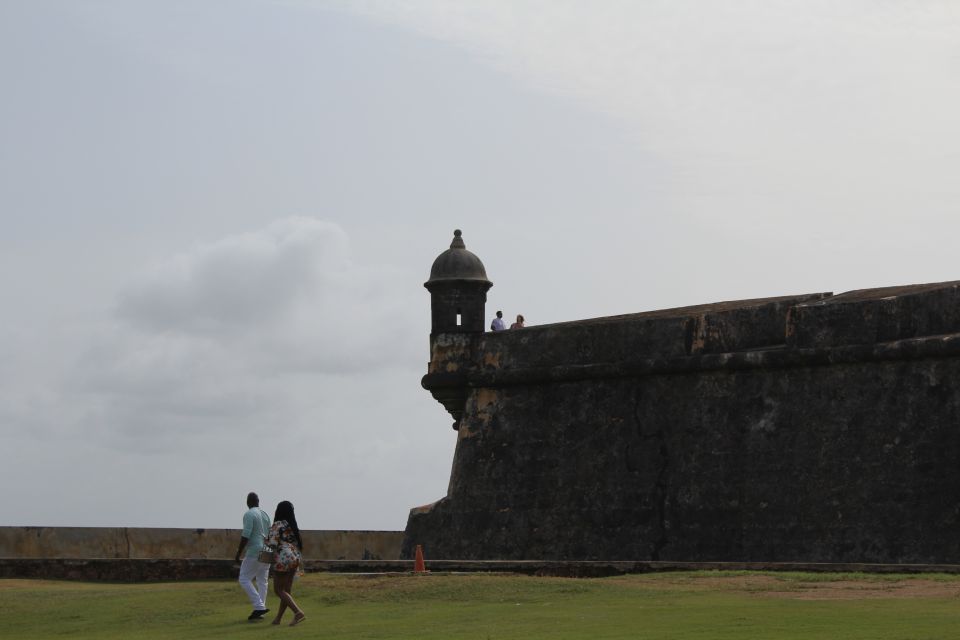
<point x="812" y="428"/>
<point x="157" y="543"/>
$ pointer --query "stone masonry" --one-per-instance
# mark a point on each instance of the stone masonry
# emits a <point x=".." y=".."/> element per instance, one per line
<point x="812" y="428"/>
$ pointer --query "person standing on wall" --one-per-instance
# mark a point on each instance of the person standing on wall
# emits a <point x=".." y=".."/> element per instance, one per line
<point x="519" y="323"/>
<point x="256" y="526"/>
<point x="498" y="324"/>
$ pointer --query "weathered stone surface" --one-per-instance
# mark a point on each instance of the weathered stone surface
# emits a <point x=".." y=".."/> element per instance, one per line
<point x="118" y="569"/>
<point x="877" y="315"/>
<point x="458" y="288"/>
<point x="712" y="328"/>
<point x="628" y="439"/>
<point x="148" y="543"/>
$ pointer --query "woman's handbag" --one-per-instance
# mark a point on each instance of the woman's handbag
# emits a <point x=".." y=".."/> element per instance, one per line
<point x="267" y="553"/>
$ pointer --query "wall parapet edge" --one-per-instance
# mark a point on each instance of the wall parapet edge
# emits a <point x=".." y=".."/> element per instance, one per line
<point x="946" y="346"/>
<point x="170" y="543"/>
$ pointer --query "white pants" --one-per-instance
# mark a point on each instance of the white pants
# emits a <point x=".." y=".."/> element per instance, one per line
<point x="251" y="569"/>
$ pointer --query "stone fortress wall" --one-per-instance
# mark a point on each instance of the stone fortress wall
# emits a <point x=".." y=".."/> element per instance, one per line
<point x="814" y="428"/>
<point x="207" y="544"/>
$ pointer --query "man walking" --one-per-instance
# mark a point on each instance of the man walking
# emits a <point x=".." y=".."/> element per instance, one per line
<point x="256" y="525"/>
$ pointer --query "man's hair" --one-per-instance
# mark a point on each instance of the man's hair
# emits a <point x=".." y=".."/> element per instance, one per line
<point x="499" y="314"/>
<point x="253" y="500"/>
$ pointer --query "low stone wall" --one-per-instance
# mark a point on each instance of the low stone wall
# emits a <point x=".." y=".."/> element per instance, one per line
<point x="169" y="570"/>
<point x="204" y="544"/>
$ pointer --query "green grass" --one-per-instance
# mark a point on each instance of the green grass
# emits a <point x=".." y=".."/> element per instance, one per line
<point x="696" y="605"/>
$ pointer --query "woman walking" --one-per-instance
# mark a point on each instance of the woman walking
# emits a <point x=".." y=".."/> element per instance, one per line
<point x="285" y="538"/>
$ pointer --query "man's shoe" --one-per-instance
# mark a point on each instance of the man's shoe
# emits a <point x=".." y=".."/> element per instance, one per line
<point x="257" y="614"/>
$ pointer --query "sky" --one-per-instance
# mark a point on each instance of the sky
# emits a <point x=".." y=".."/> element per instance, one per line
<point x="216" y="217"/>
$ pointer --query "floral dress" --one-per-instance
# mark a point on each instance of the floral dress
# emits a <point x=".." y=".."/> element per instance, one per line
<point x="284" y="540"/>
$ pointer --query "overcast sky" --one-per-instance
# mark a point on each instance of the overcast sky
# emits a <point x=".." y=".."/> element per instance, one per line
<point x="217" y="216"/>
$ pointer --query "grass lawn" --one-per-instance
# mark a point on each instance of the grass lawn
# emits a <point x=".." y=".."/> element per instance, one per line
<point x="668" y="605"/>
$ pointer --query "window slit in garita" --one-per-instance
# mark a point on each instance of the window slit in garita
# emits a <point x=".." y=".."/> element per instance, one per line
<point x="459" y="318"/>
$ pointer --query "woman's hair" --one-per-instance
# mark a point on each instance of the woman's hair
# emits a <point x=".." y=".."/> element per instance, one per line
<point x="285" y="512"/>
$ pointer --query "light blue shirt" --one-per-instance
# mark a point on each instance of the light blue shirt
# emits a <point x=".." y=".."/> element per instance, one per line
<point x="256" y="525"/>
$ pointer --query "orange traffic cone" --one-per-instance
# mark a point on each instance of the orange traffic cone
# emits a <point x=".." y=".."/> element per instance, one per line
<point x="418" y="565"/>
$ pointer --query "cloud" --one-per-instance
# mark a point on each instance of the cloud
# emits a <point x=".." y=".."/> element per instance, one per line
<point x="287" y="295"/>
<point x="291" y="401"/>
<point x="228" y="337"/>
<point x="240" y="281"/>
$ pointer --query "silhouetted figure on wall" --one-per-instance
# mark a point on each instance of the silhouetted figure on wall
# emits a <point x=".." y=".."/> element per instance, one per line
<point x="498" y="323"/>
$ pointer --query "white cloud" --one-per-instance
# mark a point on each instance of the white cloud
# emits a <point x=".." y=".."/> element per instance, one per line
<point x="241" y="281"/>
<point x="253" y="333"/>
<point x="288" y="296"/>
<point x="272" y="360"/>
